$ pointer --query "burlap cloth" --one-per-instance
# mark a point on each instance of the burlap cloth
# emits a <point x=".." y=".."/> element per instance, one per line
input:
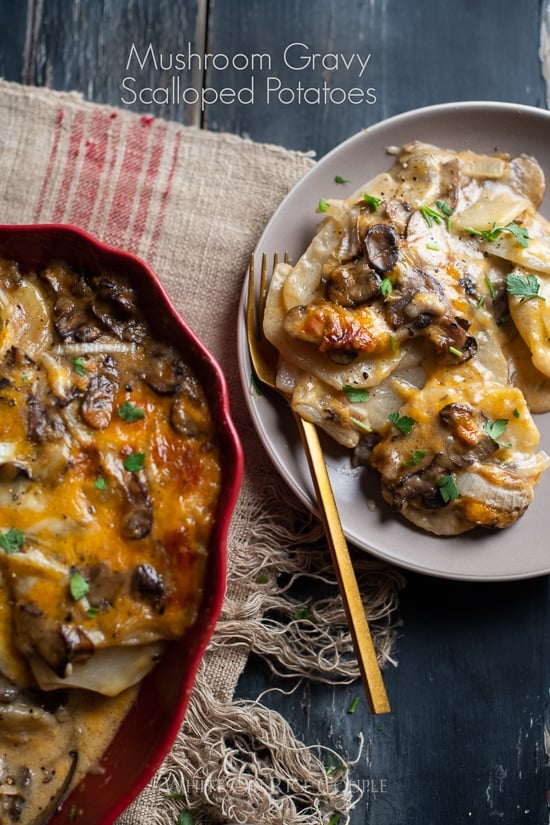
<point x="192" y="204"/>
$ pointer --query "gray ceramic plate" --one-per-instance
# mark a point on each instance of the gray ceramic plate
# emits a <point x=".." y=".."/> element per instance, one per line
<point x="518" y="552"/>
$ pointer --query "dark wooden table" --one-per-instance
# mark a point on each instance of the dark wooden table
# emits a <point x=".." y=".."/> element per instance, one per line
<point x="468" y="740"/>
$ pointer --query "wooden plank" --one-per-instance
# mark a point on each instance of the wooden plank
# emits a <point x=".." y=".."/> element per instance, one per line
<point x="124" y="54"/>
<point x="13" y="18"/>
<point x="465" y="740"/>
<point x="421" y="53"/>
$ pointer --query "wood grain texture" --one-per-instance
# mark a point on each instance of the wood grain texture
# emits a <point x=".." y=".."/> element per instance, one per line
<point x="465" y="742"/>
<point x="13" y="20"/>
<point x="468" y="739"/>
<point x="87" y="47"/>
<point x="421" y="53"/>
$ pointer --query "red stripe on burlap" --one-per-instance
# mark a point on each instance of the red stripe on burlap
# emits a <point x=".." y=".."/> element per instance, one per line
<point x="103" y="179"/>
<point x="121" y="207"/>
<point x="73" y="157"/>
<point x="147" y="183"/>
<point x="165" y="195"/>
<point x="60" y="116"/>
<point x="98" y="135"/>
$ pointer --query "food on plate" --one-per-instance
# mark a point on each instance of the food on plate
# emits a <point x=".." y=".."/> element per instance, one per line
<point x="109" y="480"/>
<point x="415" y="330"/>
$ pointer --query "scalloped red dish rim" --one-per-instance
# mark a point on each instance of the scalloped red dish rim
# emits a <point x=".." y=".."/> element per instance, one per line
<point x="199" y="635"/>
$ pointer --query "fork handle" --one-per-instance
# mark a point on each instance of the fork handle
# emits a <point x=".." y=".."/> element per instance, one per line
<point x="349" y="590"/>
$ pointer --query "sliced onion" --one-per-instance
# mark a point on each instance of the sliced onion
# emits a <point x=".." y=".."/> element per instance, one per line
<point x="108" y="671"/>
<point x="97" y="347"/>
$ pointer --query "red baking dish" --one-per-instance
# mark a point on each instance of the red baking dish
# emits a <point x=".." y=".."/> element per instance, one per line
<point x="152" y="724"/>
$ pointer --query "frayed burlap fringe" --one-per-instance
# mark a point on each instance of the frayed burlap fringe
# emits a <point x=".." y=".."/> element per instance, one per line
<point x="300" y="635"/>
<point x="239" y="762"/>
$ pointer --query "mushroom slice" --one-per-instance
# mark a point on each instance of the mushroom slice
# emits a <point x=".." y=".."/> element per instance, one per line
<point x="138" y="518"/>
<point x="352" y="284"/>
<point x="381" y="247"/>
<point x="97" y="404"/>
<point x="167" y="373"/>
<point x="188" y="411"/>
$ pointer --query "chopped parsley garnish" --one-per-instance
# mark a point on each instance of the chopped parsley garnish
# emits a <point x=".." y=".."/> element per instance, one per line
<point x="360" y="425"/>
<point x="430" y="215"/>
<point x="340" y="179"/>
<point x="433" y="247"/>
<point x="444" y="208"/>
<point x="353" y="705"/>
<point x="516" y="413"/>
<point x="305" y="613"/>
<point x="355" y="395"/>
<point x="335" y="819"/>
<point x="129" y="412"/>
<point x="491" y="287"/>
<point x="447" y="488"/>
<point x="92" y="612"/>
<point x="332" y="767"/>
<point x="100" y="483"/>
<point x="185" y="818"/>
<point x="78" y="586"/>
<point x="323" y="205"/>
<point x="386" y="287"/>
<point x="402" y="422"/>
<point x="78" y="366"/>
<point x="494" y="429"/>
<point x="372" y="201"/>
<point x="416" y="458"/>
<point x="12" y="540"/>
<point x="134" y="462"/>
<point x="524" y="287"/>
<point x="520" y="233"/>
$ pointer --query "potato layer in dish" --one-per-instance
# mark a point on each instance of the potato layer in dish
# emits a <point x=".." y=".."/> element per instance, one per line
<point x="415" y="330"/>
<point x="109" y="480"/>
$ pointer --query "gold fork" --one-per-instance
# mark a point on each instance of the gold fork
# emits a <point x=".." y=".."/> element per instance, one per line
<point x="264" y="358"/>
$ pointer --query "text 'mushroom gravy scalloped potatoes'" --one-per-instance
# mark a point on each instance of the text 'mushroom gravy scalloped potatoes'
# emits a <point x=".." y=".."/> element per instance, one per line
<point x="109" y="479"/>
<point x="415" y="330"/>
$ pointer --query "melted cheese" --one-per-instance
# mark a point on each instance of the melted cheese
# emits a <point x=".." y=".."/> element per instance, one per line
<point x="109" y="482"/>
<point x="69" y="493"/>
<point x="444" y="330"/>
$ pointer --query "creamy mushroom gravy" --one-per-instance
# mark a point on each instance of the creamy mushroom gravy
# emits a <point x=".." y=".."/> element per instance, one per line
<point x="48" y="743"/>
<point x="415" y="331"/>
<point x="109" y="481"/>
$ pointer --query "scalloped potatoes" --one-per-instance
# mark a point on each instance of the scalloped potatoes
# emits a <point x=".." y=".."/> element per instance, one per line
<point x="110" y="475"/>
<point x="415" y="330"/>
